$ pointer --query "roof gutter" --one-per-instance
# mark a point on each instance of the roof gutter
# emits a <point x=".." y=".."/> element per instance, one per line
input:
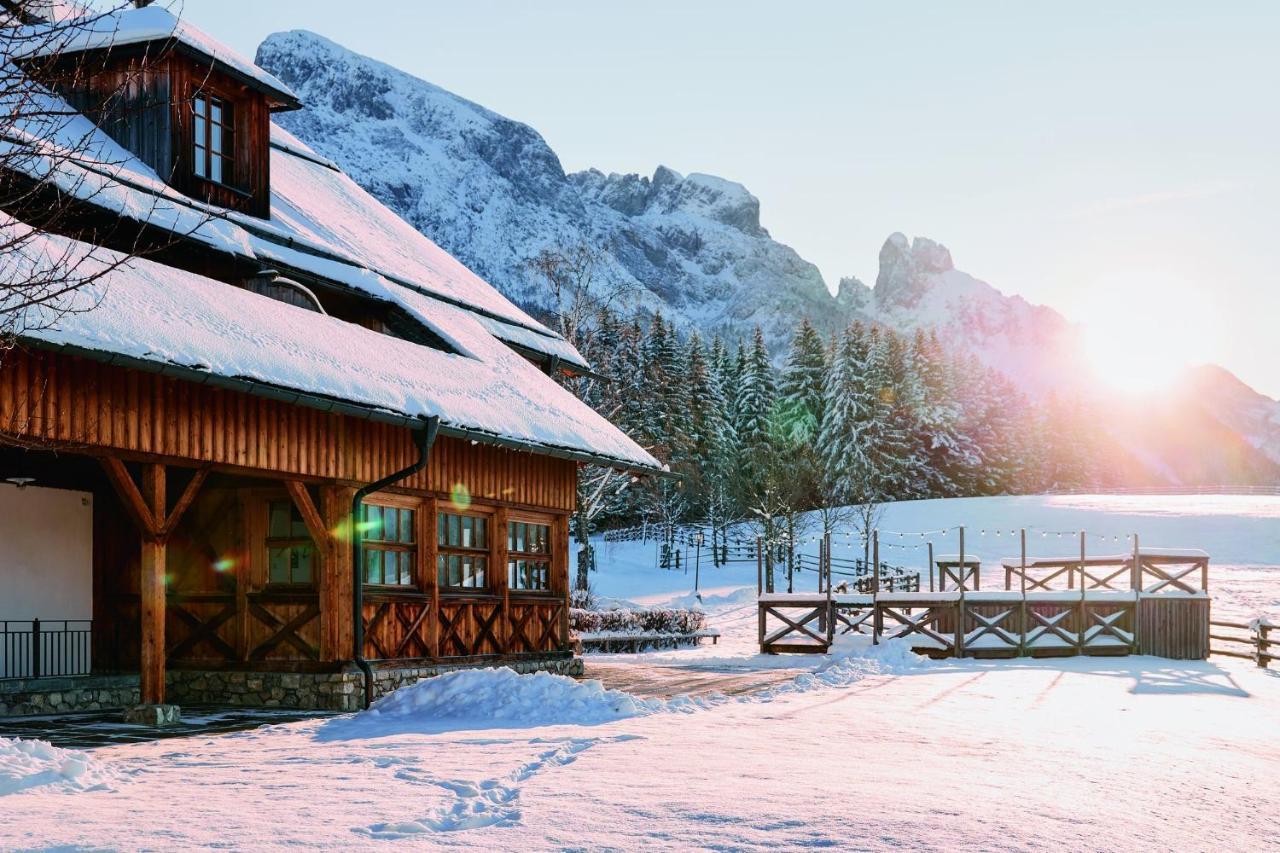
<point x="423" y="438"/>
<point x="334" y="405"/>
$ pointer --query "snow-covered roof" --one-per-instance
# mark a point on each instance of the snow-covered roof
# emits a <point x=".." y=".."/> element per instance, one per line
<point x="148" y="312"/>
<point x="131" y="26"/>
<point x="322" y="223"/>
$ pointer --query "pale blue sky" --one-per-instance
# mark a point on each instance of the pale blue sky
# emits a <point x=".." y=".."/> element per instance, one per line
<point x="1102" y="157"/>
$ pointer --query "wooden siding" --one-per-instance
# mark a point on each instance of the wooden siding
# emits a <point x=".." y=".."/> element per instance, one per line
<point x="131" y="100"/>
<point x="1174" y="626"/>
<point x="79" y="404"/>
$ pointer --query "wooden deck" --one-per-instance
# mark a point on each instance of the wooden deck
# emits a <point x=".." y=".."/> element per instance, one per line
<point x="1152" y="602"/>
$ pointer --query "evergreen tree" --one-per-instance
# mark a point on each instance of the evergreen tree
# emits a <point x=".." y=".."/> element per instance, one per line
<point x="801" y="391"/>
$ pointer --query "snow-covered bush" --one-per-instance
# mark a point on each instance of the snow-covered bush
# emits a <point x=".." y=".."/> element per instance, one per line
<point x="654" y="621"/>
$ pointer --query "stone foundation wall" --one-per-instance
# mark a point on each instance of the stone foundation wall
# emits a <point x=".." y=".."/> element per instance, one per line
<point x="38" y="696"/>
<point x="331" y="691"/>
<point x="321" y="691"/>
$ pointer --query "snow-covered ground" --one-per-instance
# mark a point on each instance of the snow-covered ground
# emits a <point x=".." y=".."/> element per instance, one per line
<point x="865" y="748"/>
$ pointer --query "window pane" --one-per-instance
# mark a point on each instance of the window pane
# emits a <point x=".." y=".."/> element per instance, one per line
<point x="200" y="160"/>
<point x="468" y="531"/>
<point x="373" y="522"/>
<point x="407" y="526"/>
<point x="373" y="566"/>
<point x="455" y="530"/>
<point x="406" y="567"/>
<point x="199" y="105"/>
<point x="388" y="531"/>
<point x="215" y="169"/>
<point x="278" y="565"/>
<point x="482" y="533"/>
<point x="455" y="570"/>
<point x="297" y="527"/>
<point x="215" y="139"/>
<point x="302" y="564"/>
<point x="278" y="526"/>
<point x="215" y="111"/>
<point x="440" y="525"/>
<point x="200" y="131"/>
<point x="478" y="570"/>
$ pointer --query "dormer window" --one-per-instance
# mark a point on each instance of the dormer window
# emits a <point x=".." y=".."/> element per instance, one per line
<point x="212" y="139"/>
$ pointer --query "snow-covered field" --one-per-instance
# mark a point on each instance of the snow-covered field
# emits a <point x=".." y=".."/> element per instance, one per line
<point x="866" y="748"/>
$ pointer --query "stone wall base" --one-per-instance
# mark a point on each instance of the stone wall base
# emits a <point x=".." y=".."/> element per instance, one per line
<point x="327" y="691"/>
<point x="40" y="696"/>
<point x="319" y="691"/>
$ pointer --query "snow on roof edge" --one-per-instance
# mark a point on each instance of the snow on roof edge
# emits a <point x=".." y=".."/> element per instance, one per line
<point x="130" y="26"/>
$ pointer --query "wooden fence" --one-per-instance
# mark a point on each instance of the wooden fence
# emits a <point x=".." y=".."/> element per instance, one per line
<point x="1152" y="601"/>
<point x="1257" y="638"/>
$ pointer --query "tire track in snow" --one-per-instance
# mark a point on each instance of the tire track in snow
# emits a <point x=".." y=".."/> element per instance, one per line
<point x="488" y="802"/>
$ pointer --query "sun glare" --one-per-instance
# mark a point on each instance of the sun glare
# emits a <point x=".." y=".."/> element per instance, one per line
<point x="1141" y="330"/>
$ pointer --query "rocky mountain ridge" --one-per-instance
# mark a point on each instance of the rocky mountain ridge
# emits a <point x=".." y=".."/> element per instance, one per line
<point x="493" y="193"/>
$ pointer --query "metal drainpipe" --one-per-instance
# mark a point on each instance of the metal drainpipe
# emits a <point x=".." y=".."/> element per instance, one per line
<point x="424" y="439"/>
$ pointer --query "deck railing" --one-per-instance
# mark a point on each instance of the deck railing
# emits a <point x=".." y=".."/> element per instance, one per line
<point x="1149" y="600"/>
<point x="39" y="649"/>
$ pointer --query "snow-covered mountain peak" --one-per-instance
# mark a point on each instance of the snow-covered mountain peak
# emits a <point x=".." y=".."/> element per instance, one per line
<point x="668" y="193"/>
<point x="907" y="267"/>
<point x="491" y="192"/>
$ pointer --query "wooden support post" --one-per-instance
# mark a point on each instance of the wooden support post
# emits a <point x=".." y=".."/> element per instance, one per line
<point x="824" y="567"/>
<point x="877" y="622"/>
<point x="151" y="589"/>
<point x="560" y="568"/>
<point x="759" y="571"/>
<point x="826" y="550"/>
<point x="501" y="579"/>
<point x="930" y="567"/>
<point x="1137" y="594"/>
<point x="960" y="603"/>
<point x="875" y="562"/>
<point x="1263" y="643"/>
<point x="1083" y="625"/>
<point x="335" y="572"/>
<point x="1022" y="612"/>
<point x="431" y="572"/>
<point x="149" y="508"/>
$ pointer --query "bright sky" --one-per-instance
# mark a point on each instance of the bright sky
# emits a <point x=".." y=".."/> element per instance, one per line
<point x="1114" y="160"/>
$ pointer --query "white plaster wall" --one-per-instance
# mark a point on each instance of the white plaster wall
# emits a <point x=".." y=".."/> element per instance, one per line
<point x="46" y="553"/>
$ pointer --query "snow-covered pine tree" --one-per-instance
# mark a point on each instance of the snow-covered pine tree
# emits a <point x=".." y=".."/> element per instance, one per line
<point x="800" y="392"/>
<point x="947" y="454"/>
<point x="754" y="404"/>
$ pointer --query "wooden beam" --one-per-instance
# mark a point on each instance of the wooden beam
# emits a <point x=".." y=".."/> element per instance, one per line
<point x="151" y="588"/>
<point x="138" y="507"/>
<point x="185" y="500"/>
<point x="307" y="509"/>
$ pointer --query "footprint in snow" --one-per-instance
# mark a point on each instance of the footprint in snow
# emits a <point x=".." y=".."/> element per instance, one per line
<point x="488" y="802"/>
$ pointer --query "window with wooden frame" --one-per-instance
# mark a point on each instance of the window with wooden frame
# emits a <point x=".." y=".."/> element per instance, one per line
<point x="528" y="556"/>
<point x="212" y="139"/>
<point x="462" y="547"/>
<point x="390" y="544"/>
<point x="291" y="555"/>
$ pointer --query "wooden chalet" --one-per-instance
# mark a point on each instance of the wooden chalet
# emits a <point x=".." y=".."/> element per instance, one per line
<point x="294" y="455"/>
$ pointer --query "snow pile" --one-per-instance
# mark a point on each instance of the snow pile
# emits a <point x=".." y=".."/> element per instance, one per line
<point x="499" y="697"/>
<point x="34" y="763"/>
<point x="851" y="660"/>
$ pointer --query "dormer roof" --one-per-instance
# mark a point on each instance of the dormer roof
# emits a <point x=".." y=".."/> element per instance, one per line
<point x="154" y="25"/>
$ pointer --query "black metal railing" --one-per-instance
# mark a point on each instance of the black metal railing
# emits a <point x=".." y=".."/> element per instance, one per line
<point x="39" y="649"/>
